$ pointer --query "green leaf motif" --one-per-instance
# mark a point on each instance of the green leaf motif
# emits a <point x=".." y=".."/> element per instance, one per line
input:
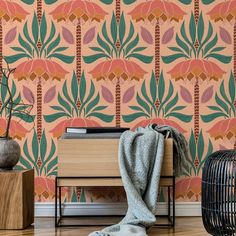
<point x="25" y="45"/>
<point x="217" y="49"/>
<point x="192" y="28"/>
<point x="14" y="58"/>
<point x="53" y="117"/>
<point x="53" y="44"/>
<point x="141" y="57"/>
<point x="175" y="49"/>
<point x="64" y="58"/>
<point x="206" y="2"/>
<point x="96" y="49"/>
<point x="64" y="103"/>
<point x="192" y="146"/>
<point x="211" y="117"/>
<point x="28" y="156"/>
<point x="143" y="104"/>
<point x="186" y="2"/>
<point x="161" y="87"/>
<point x="220" y="57"/>
<point x="122" y="28"/>
<point x="3" y="89"/>
<point x="200" y="146"/>
<point x="29" y="2"/>
<point x="35" y="147"/>
<point x="82" y="87"/>
<point x="153" y="87"/>
<point x="103" y="44"/>
<point x="181" y="44"/>
<point x="35" y="28"/>
<point x="114" y="28"/>
<point x="214" y="108"/>
<point x="132" y="44"/>
<point x="18" y="49"/>
<point x="74" y="87"/>
<point x="92" y="104"/>
<point x="43" y="28"/>
<point x="180" y="116"/>
<point x="232" y="87"/>
<point x="25" y="117"/>
<point x="134" y="116"/>
<point x="172" y="103"/>
<point x="221" y="103"/>
<point x="51" y="36"/>
<point x="49" y="2"/>
<point x="200" y="28"/>
<point x="93" y="58"/>
<point x="57" y="108"/>
<point x="25" y="163"/>
<point x="102" y="116"/>
<point x="107" y="1"/>
<point x="171" y="58"/>
<point x="128" y="2"/>
<point x="136" y="108"/>
<point x="43" y="146"/>
<point x="99" y="108"/>
<point x="211" y="44"/>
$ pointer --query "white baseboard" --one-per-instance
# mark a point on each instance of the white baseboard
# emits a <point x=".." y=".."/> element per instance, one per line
<point x="48" y="209"/>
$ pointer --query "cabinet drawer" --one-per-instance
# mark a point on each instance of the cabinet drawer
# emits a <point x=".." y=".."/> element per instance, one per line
<point x="98" y="158"/>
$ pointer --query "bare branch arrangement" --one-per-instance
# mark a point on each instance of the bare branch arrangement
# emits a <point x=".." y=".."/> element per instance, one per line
<point x="10" y="105"/>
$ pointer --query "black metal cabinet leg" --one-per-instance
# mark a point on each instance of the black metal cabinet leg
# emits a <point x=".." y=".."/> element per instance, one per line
<point x="173" y="202"/>
<point x="56" y="202"/>
<point x="60" y="209"/>
<point x="169" y="216"/>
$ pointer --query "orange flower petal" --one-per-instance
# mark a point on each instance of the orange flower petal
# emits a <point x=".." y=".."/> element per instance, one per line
<point x="117" y="68"/>
<point x="224" y="128"/>
<point x="157" y="9"/>
<point x="12" y="11"/>
<point x="223" y="11"/>
<point x="36" y="68"/>
<point x="198" y="68"/>
<point x="159" y="121"/>
<point x="78" y="9"/>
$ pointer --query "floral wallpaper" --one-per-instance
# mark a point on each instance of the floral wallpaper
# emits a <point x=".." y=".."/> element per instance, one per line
<point x="119" y="63"/>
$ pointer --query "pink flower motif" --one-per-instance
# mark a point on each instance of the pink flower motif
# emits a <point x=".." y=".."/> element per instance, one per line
<point x="36" y="68"/>
<point x="16" y="129"/>
<point x="189" y="187"/>
<point x="74" y="122"/>
<point x="224" y="128"/>
<point x="118" y="68"/>
<point x="159" y="121"/>
<point x="223" y="11"/>
<point x="12" y="11"/>
<point x="78" y="9"/>
<point x="157" y="9"/>
<point x="45" y="189"/>
<point x="199" y="68"/>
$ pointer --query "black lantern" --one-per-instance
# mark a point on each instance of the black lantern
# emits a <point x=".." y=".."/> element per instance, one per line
<point x="219" y="193"/>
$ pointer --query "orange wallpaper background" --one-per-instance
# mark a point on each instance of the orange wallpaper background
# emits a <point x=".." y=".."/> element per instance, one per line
<point x="120" y="63"/>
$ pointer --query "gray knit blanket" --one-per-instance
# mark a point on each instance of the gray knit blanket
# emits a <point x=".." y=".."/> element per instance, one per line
<point x="140" y="160"/>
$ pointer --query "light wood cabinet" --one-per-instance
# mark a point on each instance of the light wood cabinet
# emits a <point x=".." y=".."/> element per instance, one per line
<point x="98" y="158"/>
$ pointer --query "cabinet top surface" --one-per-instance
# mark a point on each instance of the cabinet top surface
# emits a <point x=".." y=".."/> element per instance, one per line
<point x="14" y="171"/>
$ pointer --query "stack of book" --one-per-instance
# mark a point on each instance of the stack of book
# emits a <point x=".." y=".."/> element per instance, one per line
<point x="93" y="132"/>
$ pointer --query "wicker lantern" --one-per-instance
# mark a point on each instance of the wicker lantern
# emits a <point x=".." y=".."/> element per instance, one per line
<point x="219" y="193"/>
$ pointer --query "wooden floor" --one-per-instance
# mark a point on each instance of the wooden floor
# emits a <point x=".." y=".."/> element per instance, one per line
<point x="189" y="226"/>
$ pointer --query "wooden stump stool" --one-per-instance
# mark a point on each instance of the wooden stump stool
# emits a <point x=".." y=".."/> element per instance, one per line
<point x="16" y="199"/>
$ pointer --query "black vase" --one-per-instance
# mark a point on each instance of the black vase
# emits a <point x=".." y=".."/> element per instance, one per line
<point x="9" y="154"/>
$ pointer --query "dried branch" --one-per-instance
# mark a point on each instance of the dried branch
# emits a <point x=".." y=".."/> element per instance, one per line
<point x="10" y="105"/>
